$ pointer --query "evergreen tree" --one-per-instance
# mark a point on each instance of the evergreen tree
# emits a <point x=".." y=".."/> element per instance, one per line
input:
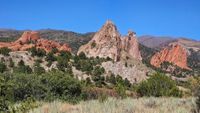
<point x="2" y="67"/>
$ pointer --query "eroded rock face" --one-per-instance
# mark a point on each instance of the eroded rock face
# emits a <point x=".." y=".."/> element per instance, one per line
<point x="28" y="36"/>
<point x="134" y="73"/>
<point x="131" y="46"/>
<point x="31" y="39"/>
<point x="175" y="54"/>
<point x="107" y="42"/>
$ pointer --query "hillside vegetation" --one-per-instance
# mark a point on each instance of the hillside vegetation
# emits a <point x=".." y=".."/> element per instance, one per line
<point x="28" y="85"/>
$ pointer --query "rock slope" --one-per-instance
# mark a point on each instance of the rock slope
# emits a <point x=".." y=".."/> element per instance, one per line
<point x="134" y="72"/>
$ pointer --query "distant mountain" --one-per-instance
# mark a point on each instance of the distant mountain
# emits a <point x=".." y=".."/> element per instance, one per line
<point x="155" y="42"/>
<point x="8" y="35"/>
<point x="188" y="43"/>
<point x="161" y="42"/>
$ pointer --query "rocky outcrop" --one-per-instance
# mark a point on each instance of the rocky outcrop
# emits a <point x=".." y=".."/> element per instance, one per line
<point x="133" y="72"/>
<point x="31" y="39"/>
<point x="28" y="36"/>
<point x="174" y="54"/>
<point x="107" y="42"/>
<point x="131" y="46"/>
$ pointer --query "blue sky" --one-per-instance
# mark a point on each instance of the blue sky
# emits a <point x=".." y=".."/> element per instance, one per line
<point x="146" y="17"/>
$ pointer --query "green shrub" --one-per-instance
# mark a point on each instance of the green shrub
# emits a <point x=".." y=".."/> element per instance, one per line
<point x="50" y="57"/>
<point x="27" y="86"/>
<point x="63" y="60"/>
<point x="93" y="45"/>
<point x="62" y="63"/>
<point x="97" y="76"/>
<point x="127" y="83"/>
<point x="98" y="71"/>
<point x="82" y="55"/>
<point x="64" y="87"/>
<point x="102" y="97"/>
<point x="88" y="81"/>
<point x="2" y="67"/>
<point x="38" y="69"/>
<point x="11" y="63"/>
<point x="118" y="80"/>
<point x="111" y="79"/>
<point x="5" y="51"/>
<point x="49" y="64"/>
<point x="6" y="94"/>
<point x="3" y="59"/>
<point x="158" y="85"/>
<point x="33" y="51"/>
<point x="65" y="54"/>
<point x="54" y="50"/>
<point x="121" y="90"/>
<point x="37" y="52"/>
<point x="22" y="68"/>
<point x="41" y="52"/>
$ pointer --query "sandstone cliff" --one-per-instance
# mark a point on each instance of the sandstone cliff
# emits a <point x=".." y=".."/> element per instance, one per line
<point x="32" y="39"/>
<point x="176" y="54"/>
<point x="107" y="42"/>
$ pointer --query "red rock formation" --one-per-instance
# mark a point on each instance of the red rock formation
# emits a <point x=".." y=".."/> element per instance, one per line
<point x="31" y="39"/>
<point x="107" y="42"/>
<point x="131" y="46"/>
<point x="28" y="36"/>
<point x="176" y="54"/>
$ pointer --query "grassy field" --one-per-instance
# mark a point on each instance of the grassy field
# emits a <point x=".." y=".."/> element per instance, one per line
<point x="128" y="105"/>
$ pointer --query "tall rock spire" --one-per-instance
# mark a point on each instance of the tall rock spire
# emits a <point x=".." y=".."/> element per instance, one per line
<point x="107" y="42"/>
<point x="131" y="46"/>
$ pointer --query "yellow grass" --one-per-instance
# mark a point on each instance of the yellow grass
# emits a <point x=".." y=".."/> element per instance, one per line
<point x="128" y="105"/>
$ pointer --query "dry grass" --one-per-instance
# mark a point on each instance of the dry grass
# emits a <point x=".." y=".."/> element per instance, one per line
<point x="128" y="105"/>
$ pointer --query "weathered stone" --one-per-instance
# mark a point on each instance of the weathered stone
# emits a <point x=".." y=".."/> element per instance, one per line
<point x="131" y="46"/>
<point x="107" y="42"/>
<point x="175" y="54"/>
